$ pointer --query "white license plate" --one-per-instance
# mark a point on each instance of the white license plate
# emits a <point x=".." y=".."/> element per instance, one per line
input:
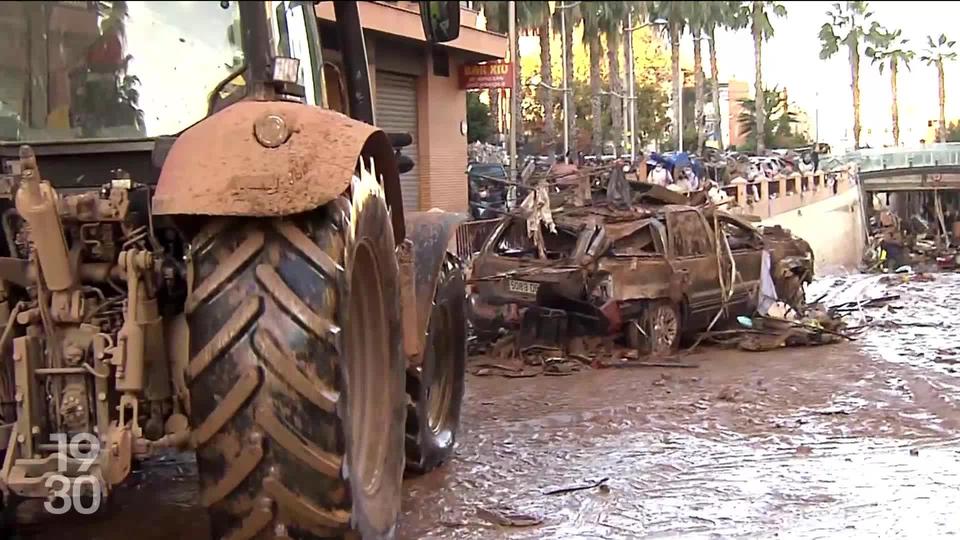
<point x="524" y="287"/>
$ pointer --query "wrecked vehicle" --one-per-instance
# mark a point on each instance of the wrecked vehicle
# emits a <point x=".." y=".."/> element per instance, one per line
<point x="487" y="192"/>
<point x="652" y="273"/>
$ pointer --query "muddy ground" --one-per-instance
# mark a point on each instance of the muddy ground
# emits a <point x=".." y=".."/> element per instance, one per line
<point x="857" y="440"/>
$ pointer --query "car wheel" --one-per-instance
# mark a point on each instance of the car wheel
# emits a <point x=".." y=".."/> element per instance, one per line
<point x="658" y="331"/>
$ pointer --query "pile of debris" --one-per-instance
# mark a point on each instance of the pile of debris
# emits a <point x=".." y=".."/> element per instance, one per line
<point x="505" y="358"/>
<point x="594" y="270"/>
<point x="926" y="240"/>
<point x="480" y="152"/>
<point x="783" y="327"/>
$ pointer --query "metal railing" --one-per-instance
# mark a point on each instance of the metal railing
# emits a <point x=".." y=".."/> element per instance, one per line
<point x="880" y="159"/>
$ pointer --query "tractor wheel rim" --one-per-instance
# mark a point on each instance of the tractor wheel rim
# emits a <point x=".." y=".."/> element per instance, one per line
<point x="369" y="343"/>
<point x="440" y="391"/>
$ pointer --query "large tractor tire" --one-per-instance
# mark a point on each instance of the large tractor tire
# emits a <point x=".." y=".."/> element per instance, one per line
<point x="296" y="374"/>
<point x="436" y="387"/>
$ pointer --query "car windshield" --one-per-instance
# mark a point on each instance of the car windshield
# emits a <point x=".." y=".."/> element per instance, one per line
<point x="494" y="171"/>
<point x="95" y="70"/>
<point x="105" y="70"/>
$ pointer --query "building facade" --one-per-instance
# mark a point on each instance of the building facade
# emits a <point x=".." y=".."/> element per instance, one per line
<point x="416" y="90"/>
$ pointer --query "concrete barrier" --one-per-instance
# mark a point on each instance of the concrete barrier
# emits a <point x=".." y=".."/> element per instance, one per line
<point x="828" y="216"/>
<point x="771" y="197"/>
<point x="833" y="227"/>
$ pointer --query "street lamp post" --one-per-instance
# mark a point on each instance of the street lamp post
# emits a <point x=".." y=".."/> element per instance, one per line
<point x="566" y="118"/>
<point x="631" y="80"/>
<point x="631" y="106"/>
<point x="680" y="114"/>
<point x="680" y="105"/>
<point x="566" y="100"/>
<point x="816" y="119"/>
<point x="514" y="88"/>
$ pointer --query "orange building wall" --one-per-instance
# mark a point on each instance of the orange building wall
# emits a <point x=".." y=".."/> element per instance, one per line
<point x="442" y="106"/>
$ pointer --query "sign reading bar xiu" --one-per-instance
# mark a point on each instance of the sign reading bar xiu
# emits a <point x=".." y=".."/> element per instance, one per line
<point x="491" y="75"/>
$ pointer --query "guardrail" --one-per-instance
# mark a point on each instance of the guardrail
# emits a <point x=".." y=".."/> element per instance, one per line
<point x="880" y="159"/>
<point x="769" y="197"/>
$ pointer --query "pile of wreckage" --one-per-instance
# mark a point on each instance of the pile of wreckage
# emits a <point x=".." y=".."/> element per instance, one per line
<point x="927" y="240"/>
<point x="593" y="269"/>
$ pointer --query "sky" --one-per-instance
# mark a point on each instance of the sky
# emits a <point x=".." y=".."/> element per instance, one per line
<point x="822" y="87"/>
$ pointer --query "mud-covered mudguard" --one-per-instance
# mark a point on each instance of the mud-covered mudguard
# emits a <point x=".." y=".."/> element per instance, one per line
<point x="429" y="234"/>
<point x="220" y="167"/>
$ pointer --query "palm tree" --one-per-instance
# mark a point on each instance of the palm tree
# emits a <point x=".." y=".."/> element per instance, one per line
<point x="936" y="54"/>
<point x="675" y="13"/>
<point x="850" y="20"/>
<point x="546" y="75"/>
<point x="777" y="122"/>
<point x="718" y="15"/>
<point x="891" y="49"/>
<point x="590" y="13"/>
<point x="696" y="13"/>
<point x="572" y="14"/>
<point x="757" y="14"/>
<point x="612" y="15"/>
<point x="530" y="18"/>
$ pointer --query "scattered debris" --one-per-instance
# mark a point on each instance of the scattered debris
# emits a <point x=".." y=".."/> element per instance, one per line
<point x="508" y="517"/>
<point x="581" y="487"/>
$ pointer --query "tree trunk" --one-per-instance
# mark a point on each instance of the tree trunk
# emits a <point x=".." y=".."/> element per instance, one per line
<point x="698" y="119"/>
<point x="675" y="73"/>
<point x="855" y="86"/>
<point x="758" y="83"/>
<point x="596" y="109"/>
<point x="894" y="110"/>
<point x="571" y="118"/>
<point x="546" y="95"/>
<point x="942" y="95"/>
<point x="714" y="74"/>
<point x="616" y="89"/>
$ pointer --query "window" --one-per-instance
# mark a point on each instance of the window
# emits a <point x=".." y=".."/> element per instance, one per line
<point x="514" y="242"/>
<point x="739" y="237"/>
<point x="103" y="70"/>
<point x="688" y="236"/>
<point x="641" y="242"/>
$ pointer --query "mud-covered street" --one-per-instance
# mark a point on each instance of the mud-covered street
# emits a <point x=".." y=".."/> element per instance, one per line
<point x="857" y="440"/>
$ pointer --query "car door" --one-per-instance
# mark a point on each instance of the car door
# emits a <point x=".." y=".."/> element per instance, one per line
<point x="693" y="253"/>
<point x="746" y="246"/>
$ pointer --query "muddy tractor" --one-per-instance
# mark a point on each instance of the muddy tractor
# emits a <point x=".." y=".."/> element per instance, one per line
<point x="248" y="288"/>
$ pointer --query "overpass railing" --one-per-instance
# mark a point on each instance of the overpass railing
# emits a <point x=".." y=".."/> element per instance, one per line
<point x="880" y="159"/>
<point x="766" y="198"/>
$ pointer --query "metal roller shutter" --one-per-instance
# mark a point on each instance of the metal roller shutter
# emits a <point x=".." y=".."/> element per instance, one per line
<point x="397" y="111"/>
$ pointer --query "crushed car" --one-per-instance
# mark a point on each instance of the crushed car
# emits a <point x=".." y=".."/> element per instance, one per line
<point x="651" y="272"/>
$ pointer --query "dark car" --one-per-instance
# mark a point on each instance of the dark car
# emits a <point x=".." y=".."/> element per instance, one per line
<point x="487" y="195"/>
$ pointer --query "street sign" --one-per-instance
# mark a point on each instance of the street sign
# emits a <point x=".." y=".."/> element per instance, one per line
<point x="489" y="75"/>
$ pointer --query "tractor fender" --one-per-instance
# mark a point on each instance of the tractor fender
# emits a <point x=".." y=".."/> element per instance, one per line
<point x="221" y="167"/>
<point x="429" y="237"/>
